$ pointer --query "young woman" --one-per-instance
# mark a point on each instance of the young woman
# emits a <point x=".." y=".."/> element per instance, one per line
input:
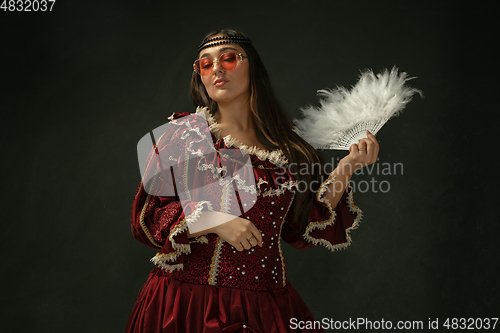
<point x="220" y="266"/>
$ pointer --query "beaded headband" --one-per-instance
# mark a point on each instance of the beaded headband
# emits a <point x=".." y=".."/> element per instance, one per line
<point x="222" y="40"/>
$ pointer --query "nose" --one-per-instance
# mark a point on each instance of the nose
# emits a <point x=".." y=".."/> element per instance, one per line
<point x="217" y="67"/>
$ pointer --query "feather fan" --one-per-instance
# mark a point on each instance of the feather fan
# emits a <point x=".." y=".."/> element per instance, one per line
<point x="344" y="116"/>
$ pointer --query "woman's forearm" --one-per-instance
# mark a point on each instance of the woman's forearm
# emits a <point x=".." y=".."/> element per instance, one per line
<point x="207" y="222"/>
<point x="342" y="173"/>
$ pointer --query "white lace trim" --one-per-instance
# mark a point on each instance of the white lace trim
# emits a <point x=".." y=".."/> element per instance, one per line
<point x="288" y="185"/>
<point x="226" y="198"/>
<point x="323" y="224"/>
<point x="171" y="116"/>
<point x="275" y="156"/>
<point x="200" y="239"/>
<point x="282" y="258"/>
<point x="167" y="267"/>
<point x="161" y="259"/>
<point x="214" y="266"/>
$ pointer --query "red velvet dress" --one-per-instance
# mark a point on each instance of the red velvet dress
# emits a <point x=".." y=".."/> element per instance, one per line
<point x="203" y="284"/>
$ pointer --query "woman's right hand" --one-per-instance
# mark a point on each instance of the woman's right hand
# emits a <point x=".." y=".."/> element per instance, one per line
<point x="240" y="233"/>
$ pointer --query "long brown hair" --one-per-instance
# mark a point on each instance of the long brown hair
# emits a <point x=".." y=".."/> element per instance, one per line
<point x="273" y="127"/>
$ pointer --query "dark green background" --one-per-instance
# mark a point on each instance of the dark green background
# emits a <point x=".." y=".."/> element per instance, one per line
<point x="83" y="83"/>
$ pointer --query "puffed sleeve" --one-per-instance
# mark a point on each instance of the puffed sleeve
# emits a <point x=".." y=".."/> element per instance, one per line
<point x="160" y="221"/>
<point x="326" y="226"/>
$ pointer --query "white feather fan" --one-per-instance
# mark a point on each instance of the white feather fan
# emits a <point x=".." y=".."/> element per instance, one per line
<point x="344" y="116"/>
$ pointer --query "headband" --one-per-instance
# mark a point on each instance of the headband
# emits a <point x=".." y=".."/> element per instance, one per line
<point x="222" y="40"/>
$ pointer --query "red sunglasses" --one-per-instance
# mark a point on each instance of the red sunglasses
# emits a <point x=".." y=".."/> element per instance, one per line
<point x="227" y="61"/>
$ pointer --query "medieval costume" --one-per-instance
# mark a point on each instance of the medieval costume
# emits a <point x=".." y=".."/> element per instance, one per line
<point x="204" y="284"/>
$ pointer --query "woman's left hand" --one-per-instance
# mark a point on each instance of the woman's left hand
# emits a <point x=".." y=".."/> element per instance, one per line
<point x="363" y="153"/>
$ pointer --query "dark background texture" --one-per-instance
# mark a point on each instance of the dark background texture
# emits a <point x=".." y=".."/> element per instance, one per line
<point x="82" y="84"/>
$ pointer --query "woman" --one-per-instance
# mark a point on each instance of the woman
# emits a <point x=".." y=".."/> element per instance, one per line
<point x="220" y="266"/>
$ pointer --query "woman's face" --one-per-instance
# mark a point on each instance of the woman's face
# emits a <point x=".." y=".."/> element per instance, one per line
<point x="227" y="86"/>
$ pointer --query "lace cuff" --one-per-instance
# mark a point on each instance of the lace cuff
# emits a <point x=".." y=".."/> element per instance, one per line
<point x="331" y="227"/>
<point x="177" y="244"/>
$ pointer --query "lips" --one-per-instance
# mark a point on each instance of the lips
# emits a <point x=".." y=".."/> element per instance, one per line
<point x="220" y="82"/>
